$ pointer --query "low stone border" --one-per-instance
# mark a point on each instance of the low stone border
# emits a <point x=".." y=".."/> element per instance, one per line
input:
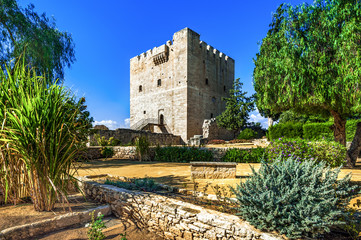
<point x="31" y="230"/>
<point x="171" y="218"/>
<point x="213" y="170"/>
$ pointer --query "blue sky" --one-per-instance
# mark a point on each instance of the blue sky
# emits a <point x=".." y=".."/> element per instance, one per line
<point x="108" y="33"/>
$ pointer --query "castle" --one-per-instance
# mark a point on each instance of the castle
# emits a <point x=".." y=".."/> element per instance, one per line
<point x="175" y="87"/>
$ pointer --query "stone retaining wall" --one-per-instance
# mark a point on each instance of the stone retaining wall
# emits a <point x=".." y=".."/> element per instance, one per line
<point x="173" y="219"/>
<point x="125" y="136"/>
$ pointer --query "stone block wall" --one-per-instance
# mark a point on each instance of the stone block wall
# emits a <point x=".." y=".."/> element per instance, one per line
<point x="126" y="136"/>
<point x="211" y="131"/>
<point x="174" y="219"/>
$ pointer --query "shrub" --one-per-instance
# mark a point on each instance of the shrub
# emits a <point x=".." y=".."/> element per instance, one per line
<point x="142" y="147"/>
<point x="247" y="134"/>
<point x="239" y="141"/>
<point x="293" y="198"/>
<point x="318" y="131"/>
<point x="182" y="154"/>
<point x="107" y="152"/>
<point x="216" y="141"/>
<point x="254" y="155"/>
<point x="287" y="130"/>
<point x="96" y="226"/>
<point x="332" y="153"/>
<point x="144" y="184"/>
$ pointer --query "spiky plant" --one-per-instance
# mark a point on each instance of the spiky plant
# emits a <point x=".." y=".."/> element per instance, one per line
<point x="45" y="127"/>
<point x="296" y="199"/>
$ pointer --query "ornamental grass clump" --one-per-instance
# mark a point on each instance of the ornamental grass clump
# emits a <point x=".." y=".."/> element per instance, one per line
<point x="298" y="199"/>
<point x="43" y="129"/>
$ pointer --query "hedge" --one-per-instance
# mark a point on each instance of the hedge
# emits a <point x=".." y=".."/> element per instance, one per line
<point x="310" y="131"/>
<point x="287" y="130"/>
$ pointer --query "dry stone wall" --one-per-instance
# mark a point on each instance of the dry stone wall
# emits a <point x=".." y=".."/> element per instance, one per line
<point x="174" y="219"/>
<point x="212" y="131"/>
<point x="126" y="136"/>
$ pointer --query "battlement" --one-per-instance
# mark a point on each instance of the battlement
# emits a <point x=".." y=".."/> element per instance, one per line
<point x="213" y="52"/>
<point x="161" y="52"/>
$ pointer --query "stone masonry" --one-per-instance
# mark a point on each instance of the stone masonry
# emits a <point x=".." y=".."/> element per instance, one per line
<point x="173" y="219"/>
<point x="176" y="86"/>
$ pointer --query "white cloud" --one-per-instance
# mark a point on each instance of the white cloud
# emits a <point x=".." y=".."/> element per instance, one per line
<point x="112" y="125"/>
<point x="256" y="117"/>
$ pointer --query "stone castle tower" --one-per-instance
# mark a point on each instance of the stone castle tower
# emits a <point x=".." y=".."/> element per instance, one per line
<point x="174" y="87"/>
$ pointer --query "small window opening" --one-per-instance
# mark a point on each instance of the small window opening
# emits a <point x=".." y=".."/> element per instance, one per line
<point x="224" y="88"/>
<point x="145" y="112"/>
<point x="159" y="83"/>
<point x="206" y="81"/>
<point x="140" y="88"/>
<point x="211" y="115"/>
<point x="161" y="119"/>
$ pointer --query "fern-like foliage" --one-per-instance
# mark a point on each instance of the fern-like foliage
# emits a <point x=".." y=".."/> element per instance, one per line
<point x="296" y="199"/>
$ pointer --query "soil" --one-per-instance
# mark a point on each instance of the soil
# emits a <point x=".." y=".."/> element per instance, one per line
<point x="115" y="227"/>
<point x="14" y="215"/>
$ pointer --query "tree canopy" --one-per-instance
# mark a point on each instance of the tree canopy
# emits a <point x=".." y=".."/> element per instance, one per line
<point x="46" y="48"/>
<point x="310" y="61"/>
<point x="238" y="107"/>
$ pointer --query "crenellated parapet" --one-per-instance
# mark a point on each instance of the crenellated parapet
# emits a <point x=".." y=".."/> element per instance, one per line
<point x="211" y="52"/>
<point x="157" y="54"/>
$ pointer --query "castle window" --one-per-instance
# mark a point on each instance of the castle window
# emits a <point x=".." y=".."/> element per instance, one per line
<point x="206" y="81"/>
<point x="145" y="112"/>
<point x="159" y="83"/>
<point x="211" y="115"/>
<point x="224" y="88"/>
<point x="140" y="88"/>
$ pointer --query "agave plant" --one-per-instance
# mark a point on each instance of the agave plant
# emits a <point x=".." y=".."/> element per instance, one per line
<point x="45" y="127"/>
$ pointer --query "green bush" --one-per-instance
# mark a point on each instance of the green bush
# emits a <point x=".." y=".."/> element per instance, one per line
<point x="143" y="184"/>
<point x="295" y="199"/>
<point x="247" y="134"/>
<point x="142" y="148"/>
<point x="107" y="152"/>
<point x="182" y="154"/>
<point x="332" y="153"/>
<point x="287" y="130"/>
<point x="254" y="155"/>
<point x="318" y="131"/>
<point x="351" y="129"/>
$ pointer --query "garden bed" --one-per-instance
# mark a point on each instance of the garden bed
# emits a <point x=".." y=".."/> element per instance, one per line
<point x="182" y="200"/>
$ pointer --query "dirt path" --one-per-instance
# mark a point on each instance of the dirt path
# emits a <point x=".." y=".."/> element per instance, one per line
<point x="115" y="227"/>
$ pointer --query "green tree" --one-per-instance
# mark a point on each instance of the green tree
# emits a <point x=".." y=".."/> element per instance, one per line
<point x="310" y="62"/>
<point x="22" y="29"/>
<point x="238" y="107"/>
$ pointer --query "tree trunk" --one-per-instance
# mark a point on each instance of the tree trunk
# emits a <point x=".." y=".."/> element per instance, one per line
<point x="339" y="128"/>
<point x="355" y="147"/>
<point x="270" y="122"/>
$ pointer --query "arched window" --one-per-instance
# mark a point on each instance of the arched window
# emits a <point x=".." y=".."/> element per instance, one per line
<point x="140" y="88"/>
<point x="206" y="81"/>
<point x="161" y="119"/>
<point x="159" y="83"/>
